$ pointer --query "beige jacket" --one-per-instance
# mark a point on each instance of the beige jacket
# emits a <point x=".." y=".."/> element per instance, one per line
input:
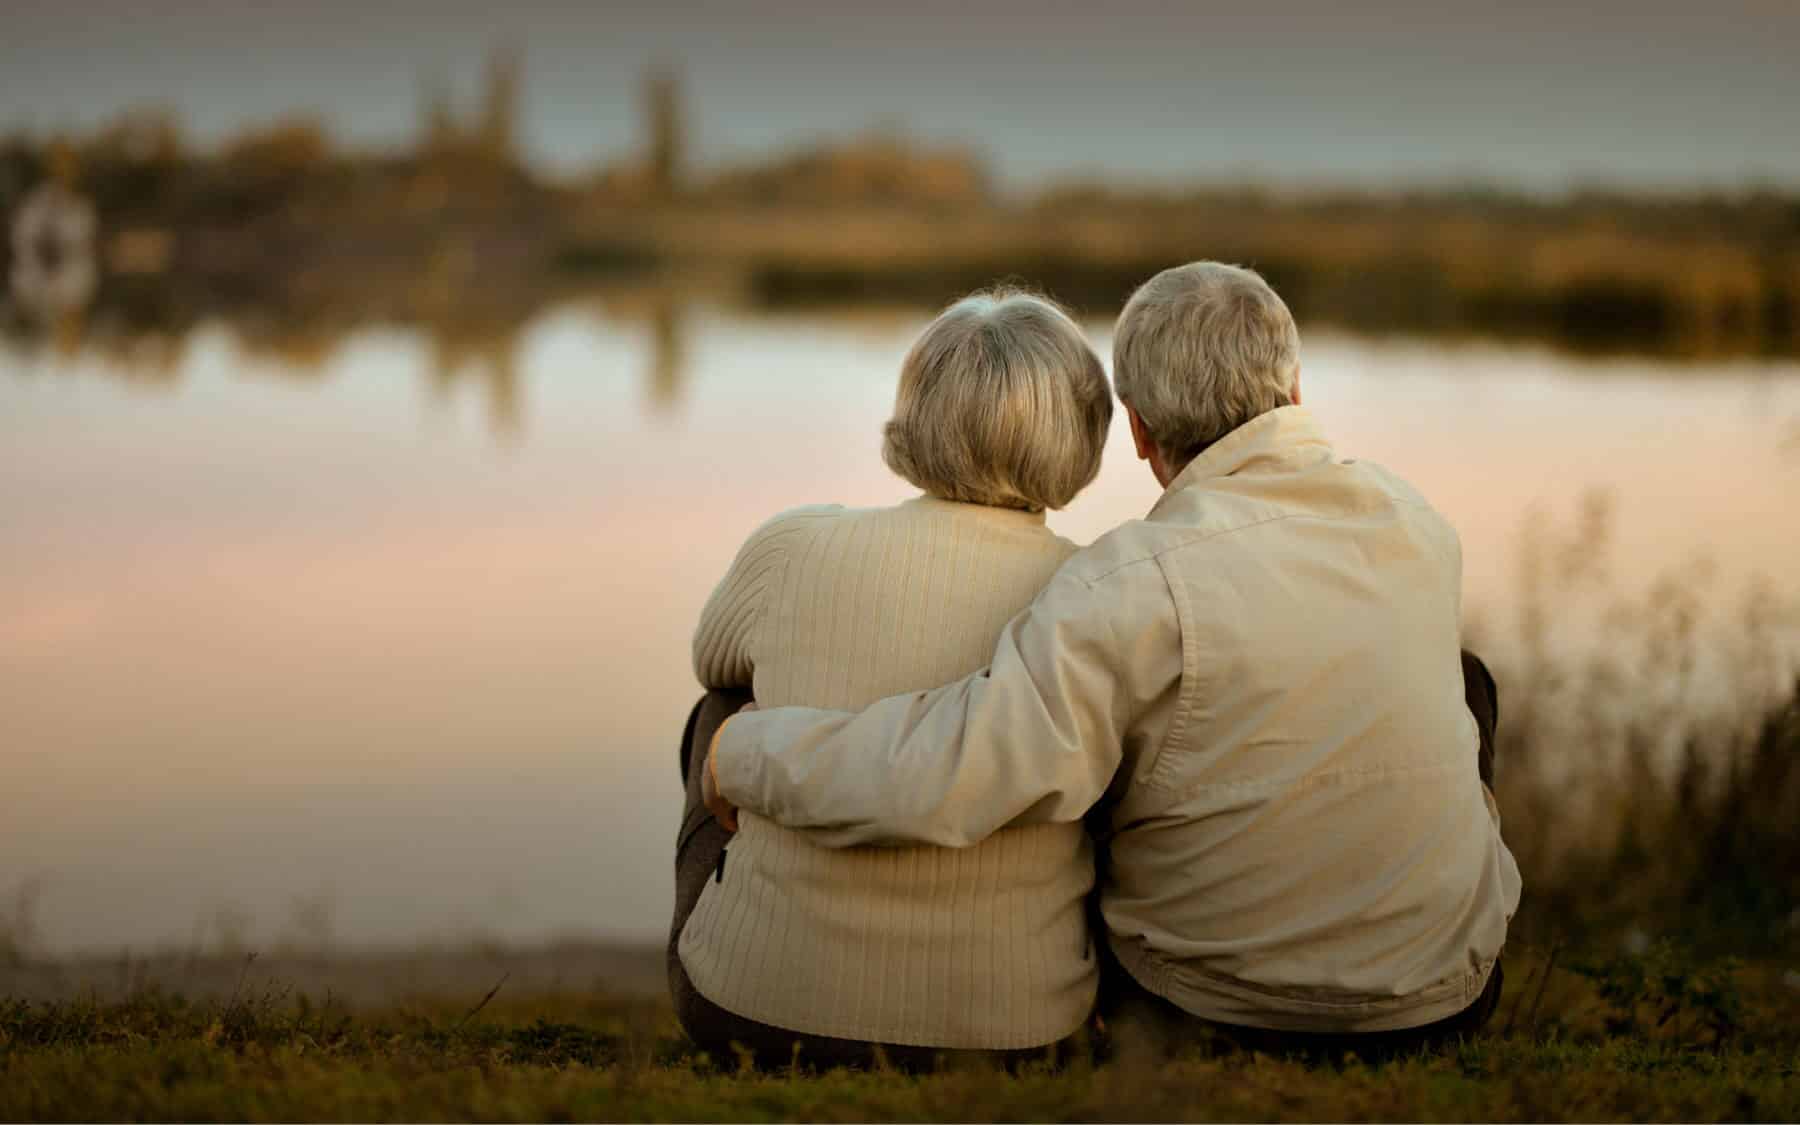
<point x="985" y="946"/>
<point x="1262" y="678"/>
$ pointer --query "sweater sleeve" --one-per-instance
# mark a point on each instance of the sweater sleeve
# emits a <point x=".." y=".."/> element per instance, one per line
<point x="725" y="642"/>
<point x="1037" y="736"/>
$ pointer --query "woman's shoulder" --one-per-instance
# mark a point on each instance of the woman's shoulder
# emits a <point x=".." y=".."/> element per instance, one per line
<point x="1000" y="529"/>
<point x="806" y="515"/>
<point x="1064" y="547"/>
<point x="1004" y="530"/>
<point x="781" y="529"/>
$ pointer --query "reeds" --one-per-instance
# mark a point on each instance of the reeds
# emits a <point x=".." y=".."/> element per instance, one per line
<point x="1649" y="745"/>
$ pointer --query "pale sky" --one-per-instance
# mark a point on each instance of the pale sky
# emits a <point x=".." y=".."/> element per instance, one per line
<point x="1644" y="92"/>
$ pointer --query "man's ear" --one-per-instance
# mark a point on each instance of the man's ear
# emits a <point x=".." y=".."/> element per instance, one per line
<point x="1140" y="435"/>
<point x="1296" y="388"/>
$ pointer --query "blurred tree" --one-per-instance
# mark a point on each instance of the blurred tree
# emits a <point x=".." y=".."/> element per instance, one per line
<point x="288" y="147"/>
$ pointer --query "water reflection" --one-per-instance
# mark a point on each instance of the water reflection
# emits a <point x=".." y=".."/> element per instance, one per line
<point x="469" y="343"/>
<point x="666" y="353"/>
<point x="483" y="354"/>
<point x="474" y="339"/>
<point x="268" y="637"/>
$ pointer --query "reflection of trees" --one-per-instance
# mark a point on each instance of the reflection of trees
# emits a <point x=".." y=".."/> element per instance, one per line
<point x="661" y="312"/>
<point x="298" y="351"/>
<point x="138" y="330"/>
<point x="125" y="346"/>
<point x="668" y="354"/>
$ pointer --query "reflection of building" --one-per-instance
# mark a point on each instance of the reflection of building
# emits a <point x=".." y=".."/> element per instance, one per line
<point x="658" y="315"/>
<point x="487" y="353"/>
<point x="668" y="354"/>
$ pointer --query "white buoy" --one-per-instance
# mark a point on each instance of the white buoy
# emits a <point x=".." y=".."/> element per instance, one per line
<point x="53" y="264"/>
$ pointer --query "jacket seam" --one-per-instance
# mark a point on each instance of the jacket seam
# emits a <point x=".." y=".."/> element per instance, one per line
<point x="1185" y="689"/>
<point x="1156" y="555"/>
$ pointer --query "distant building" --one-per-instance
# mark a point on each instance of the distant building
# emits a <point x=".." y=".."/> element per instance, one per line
<point x="666" y="133"/>
<point x="500" y="109"/>
<point x="438" y="129"/>
<point x="493" y="137"/>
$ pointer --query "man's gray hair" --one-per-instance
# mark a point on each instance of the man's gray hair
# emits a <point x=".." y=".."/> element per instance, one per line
<point x="1001" y="402"/>
<point x="1200" y="350"/>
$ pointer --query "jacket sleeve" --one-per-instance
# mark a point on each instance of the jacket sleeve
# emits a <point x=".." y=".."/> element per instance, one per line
<point x="1037" y="736"/>
<point x="725" y="642"/>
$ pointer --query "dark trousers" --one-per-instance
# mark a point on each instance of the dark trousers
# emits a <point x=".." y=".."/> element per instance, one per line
<point x="1133" y="1011"/>
<point x="700" y="855"/>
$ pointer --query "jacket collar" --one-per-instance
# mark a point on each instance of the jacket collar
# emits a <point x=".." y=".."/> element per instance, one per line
<point x="1262" y="443"/>
<point x="926" y="501"/>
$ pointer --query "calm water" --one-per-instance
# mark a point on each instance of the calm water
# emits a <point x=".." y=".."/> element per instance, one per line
<point x="392" y="645"/>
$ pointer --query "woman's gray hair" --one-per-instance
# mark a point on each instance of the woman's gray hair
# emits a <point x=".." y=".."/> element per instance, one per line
<point x="1001" y="402"/>
<point x="1202" y="349"/>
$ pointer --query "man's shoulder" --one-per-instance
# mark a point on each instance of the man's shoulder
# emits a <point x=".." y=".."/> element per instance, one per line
<point x="1139" y="547"/>
<point x="1419" y="512"/>
<point x="1397" y="487"/>
<point x="1125" y="552"/>
<point x="1113" y="588"/>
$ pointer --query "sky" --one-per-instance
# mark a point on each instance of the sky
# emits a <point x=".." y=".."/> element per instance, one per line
<point x="1654" y="93"/>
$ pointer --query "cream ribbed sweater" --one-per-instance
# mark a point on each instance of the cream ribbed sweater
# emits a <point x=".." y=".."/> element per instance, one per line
<point x="981" y="947"/>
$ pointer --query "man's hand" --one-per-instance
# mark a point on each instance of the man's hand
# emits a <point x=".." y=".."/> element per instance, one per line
<point x="723" y="811"/>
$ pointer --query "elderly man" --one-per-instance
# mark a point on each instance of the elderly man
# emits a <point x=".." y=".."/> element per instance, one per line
<point x="1260" y="683"/>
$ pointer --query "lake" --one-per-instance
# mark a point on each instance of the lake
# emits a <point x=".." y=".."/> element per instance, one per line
<point x="388" y="642"/>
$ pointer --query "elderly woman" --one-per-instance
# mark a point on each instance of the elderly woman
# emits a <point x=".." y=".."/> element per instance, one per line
<point x="787" y="947"/>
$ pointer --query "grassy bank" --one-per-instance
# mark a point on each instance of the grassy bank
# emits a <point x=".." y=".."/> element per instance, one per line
<point x="1608" y="1037"/>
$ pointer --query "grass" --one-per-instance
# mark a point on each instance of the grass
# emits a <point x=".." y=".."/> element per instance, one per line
<point x="1606" y="1037"/>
